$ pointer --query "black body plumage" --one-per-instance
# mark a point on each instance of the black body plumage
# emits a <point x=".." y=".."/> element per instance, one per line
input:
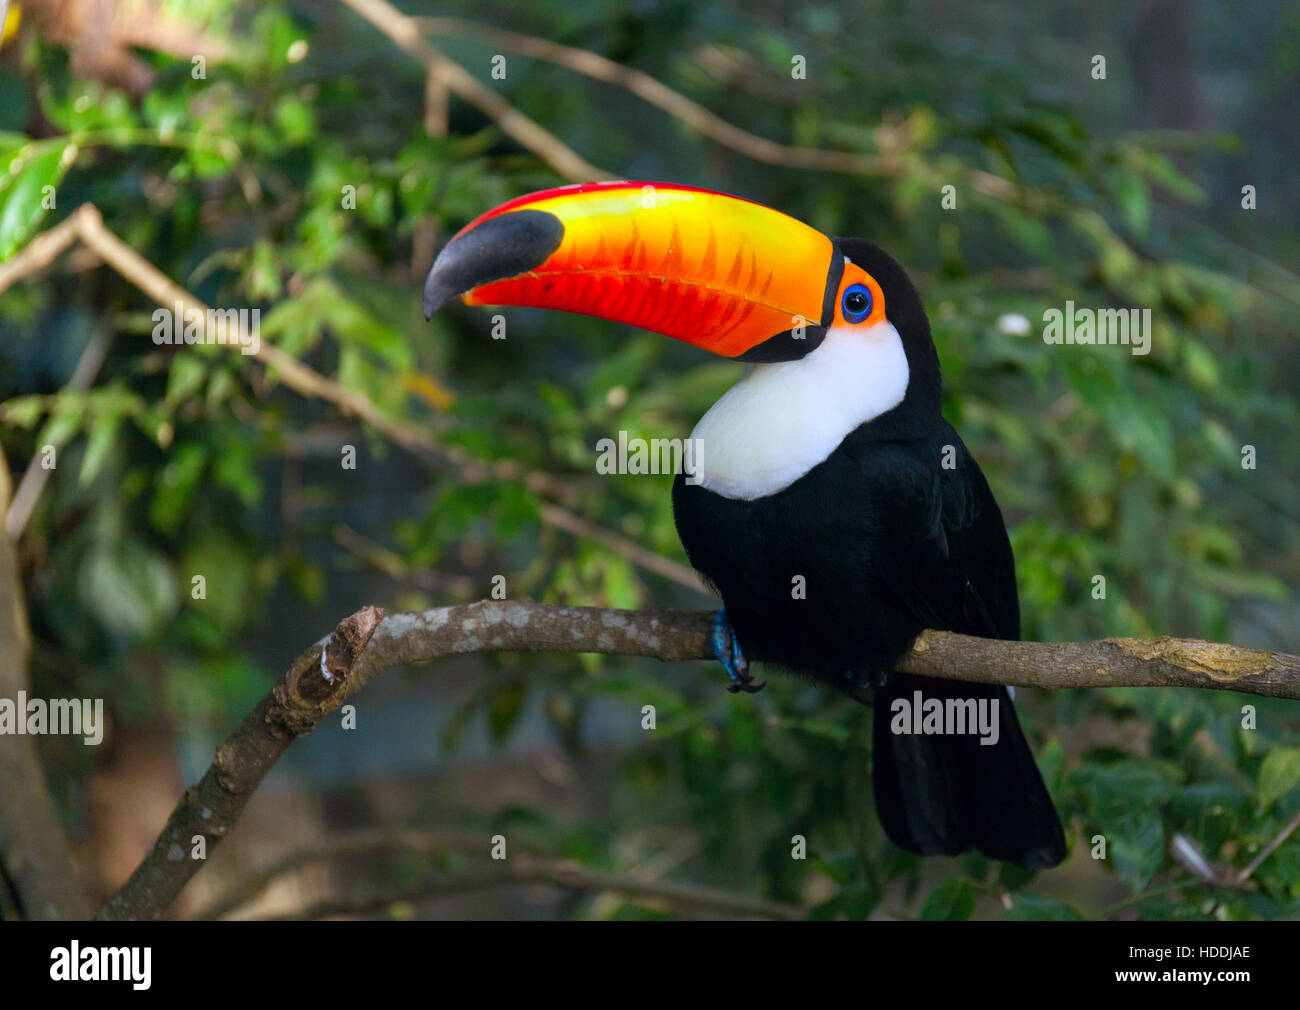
<point x="896" y="531"/>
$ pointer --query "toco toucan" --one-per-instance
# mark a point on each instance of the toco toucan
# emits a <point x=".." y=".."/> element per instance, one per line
<point x="831" y="506"/>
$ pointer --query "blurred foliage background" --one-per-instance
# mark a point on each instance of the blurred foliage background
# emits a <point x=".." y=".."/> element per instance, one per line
<point x="1123" y="191"/>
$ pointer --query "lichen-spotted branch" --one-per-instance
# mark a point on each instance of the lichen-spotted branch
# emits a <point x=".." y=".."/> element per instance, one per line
<point x="370" y="642"/>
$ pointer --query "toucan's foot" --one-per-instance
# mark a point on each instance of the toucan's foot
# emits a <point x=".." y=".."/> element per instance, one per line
<point x="726" y="648"/>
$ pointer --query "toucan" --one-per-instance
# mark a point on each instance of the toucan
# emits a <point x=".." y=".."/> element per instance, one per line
<point x="830" y="504"/>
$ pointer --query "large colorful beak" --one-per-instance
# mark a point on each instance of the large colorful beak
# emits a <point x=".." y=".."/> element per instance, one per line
<point x="716" y="271"/>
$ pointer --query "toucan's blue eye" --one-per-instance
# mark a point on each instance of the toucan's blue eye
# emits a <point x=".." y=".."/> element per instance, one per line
<point x="856" y="303"/>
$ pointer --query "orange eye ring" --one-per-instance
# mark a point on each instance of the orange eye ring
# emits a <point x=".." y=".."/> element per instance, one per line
<point x="859" y="301"/>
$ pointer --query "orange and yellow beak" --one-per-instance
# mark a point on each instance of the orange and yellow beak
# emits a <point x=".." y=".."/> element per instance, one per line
<point x="716" y="271"/>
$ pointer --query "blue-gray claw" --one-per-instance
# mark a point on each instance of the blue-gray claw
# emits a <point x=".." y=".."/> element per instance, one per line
<point x="726" y="649"/>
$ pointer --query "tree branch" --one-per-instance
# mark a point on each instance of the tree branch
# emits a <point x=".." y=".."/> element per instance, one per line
<point x="36" y="865"/>
<point x="370" y="642"/>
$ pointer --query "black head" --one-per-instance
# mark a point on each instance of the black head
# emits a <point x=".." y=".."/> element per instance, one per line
<point x="904" y="310"/>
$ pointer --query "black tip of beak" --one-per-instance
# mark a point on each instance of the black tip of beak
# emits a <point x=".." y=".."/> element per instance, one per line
<point x="505" y="246"/>
<point x="431" y="302"/>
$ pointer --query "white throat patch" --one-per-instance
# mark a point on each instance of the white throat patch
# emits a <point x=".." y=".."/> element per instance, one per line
<point x="782" y="419"/>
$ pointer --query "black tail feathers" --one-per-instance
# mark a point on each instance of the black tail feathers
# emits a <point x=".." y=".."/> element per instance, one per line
<point x="945" y="793"/>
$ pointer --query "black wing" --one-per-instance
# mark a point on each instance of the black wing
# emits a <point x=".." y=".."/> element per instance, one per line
<point x="942" y="553"/>
<point x="953" y="570"/>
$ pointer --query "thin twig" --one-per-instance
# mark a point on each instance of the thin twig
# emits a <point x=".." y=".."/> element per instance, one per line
<point x="405" y="31"/>
<point x="1268" y="849"/>
<point x="396" y="567"/>
<point x="42" y="250"/>
<point x="892" y="140"/>
<point x="365" y="842"/>
<point x="573" y="523"/>
<point x="524" y="871"/>
<point x="1137" y="899"/>
<point x="522" y="868"/>
<point x="36" y="475"/>
<point x="655" y="92"/>
<point x="87" y="224"/>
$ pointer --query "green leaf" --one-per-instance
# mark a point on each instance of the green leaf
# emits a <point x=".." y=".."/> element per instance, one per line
<point x="951" y="901"/>
<point x="103" y="436"/>
<point x="23" y="411"/>
<point x="620" y="584"/>
<point x="855" y="903"/>
<point x="128" y="587"/>
<point x="295" y="120"/>
<point x="210" y="163"/>
<point x="176" y="485"/>
<point x="1036" y="908"/>
<point x="1134" y="200"/>
<point x="1051" y="763"/>
<point x="185" y="377"/>
<point x="1137" y="844"/>
<point x="227" y="569"/>
<point x="1027" y="232"/>
<point x="1279" y="774"/>
<point x="1163" y="171"/>
<point x="25" y="172"/>
<point x="64" y="423"/>
<point x="1126" y="799"/>
<point x="235" y="467"/>
<point x="839" y="866"/>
